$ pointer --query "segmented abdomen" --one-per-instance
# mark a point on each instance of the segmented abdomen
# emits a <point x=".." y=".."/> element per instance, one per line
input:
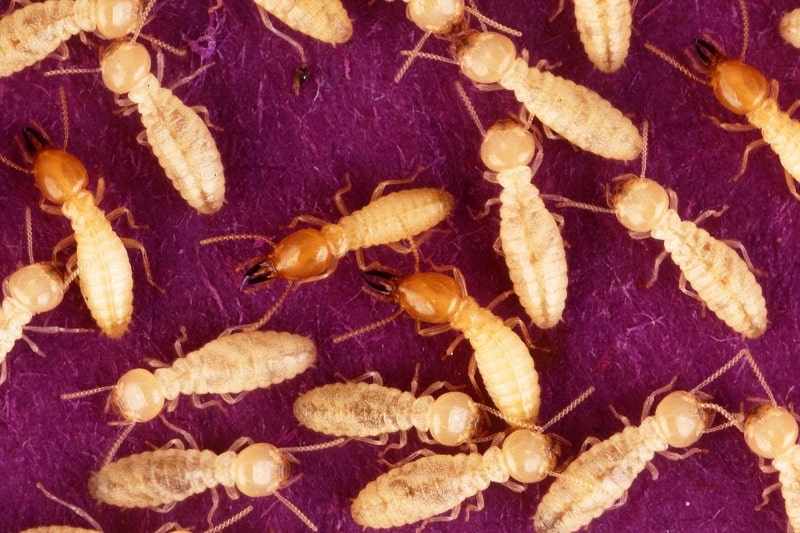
<point x="781" y="132"/>
<point x="240" y="362"/>
<point x="716" y="272"/>
<point x="13" y="317"/>
<point x="354" y="409"/>
<point x="183" y="145"/>
<point x="325" y="20"/>
<point x="389" y="219"/>
<point x="575" y="112"/>
<point x="503" y="360"/>
<point x="155" y="478"/>
<point x="789" y="475"/>
<point x="533" y="248"/>
<point x="605" y="30"/>
<point x="104" y="270"/>
<point x="598" y="478"/>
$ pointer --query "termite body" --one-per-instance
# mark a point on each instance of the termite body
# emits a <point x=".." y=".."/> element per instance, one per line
<point x="605" y="30"/>
<point x="31" y="33"/>
<point x="325" y="21"/>
<point x="178" y="137"/>
<point x="789" y="27"/>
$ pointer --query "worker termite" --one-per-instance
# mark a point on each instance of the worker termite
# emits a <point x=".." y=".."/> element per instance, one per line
<point x="31" y="33"/>
<point x="432" y="485"/>
<point x="325" y="21"/>
<point x="171" y="527"/>
<point x="501" y="356"/>
<point x="605" y="30"/>
<point x="166" y="476"/>
<point x="310" y="254"/>
<point x="789" y="27"/>
<point x="600" y="476"/>
<point x="745" y="91"/>
<point x="371" y="409"/>
<point x="529" y="235"/>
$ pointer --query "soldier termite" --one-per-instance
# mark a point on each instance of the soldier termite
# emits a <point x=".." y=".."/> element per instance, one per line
<point x="746" y="92"/>
<point x="310" y="254"/>
<point x="529" y="235"/>
<point x="600" y="476"/>
<point x="31" y="33"/>
<point x="432" y="485"/>
<point x="167" y="476"/>
<point x="502" y="358"/>
<point x="371" y="409"/>
<point x="171" y="527"/>
<point x="789" y="27"/>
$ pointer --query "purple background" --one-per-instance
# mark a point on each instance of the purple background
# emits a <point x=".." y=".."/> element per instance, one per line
<point x="287" y="155"/>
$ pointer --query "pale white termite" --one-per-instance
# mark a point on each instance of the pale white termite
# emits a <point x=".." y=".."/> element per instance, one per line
<point x="371" y="409"/>
<point x="502" y="358"/>
<point x="167" y="476"/>
<point x="600" y="476"/>
<point x="427" y="487"/>
<point x="228" y="365"/>
<point x="31" y="33"/>
<point x="573" y="111"/>
<point x="605" y="30"/>
<point x="325" y="21"/>
<point x="310" y="254"/>
<point x="789" y="27"/>
<point x="178" y="137"/>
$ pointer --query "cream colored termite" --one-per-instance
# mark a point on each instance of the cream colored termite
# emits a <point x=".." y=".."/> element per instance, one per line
<point x="427" y="487"/>
<point x="600" y="476"/>
<point x="529" y="235"/>
<point x="605" y="30"/>
<point x="326" y="21"/>
<point x="310" y="254"/>
<point x="29" y="34"/>
<point x="362" y="410"/>
<point x="789" y="27"/>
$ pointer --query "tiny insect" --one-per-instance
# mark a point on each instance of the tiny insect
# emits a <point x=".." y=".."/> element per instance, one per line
<point x="371" y="409"/>
<point x="167" y="476"/>
<point x="31" y="33"/>
<point x="228" y="365"/>
<point x="529" y="235"/>
<point x="502" y="358"/>
<point x="427" y="487"/>
<point x="310" y="254"/>
<point x="177" y="135"/>
<point x="605" y="30"/>
<point x="744" y="91"/>
<point x="789" y="27"/>
<point x="600" y="476"/>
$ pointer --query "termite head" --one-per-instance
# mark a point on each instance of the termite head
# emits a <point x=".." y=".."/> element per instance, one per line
<point x="138" y="396"/>
<point x="59" y="175"/>
<point x="116" y="18"/>
<point x="436" y="16"/>
<point x="302" y="254"/>
<point x="123" y="64"/>
<point x="640" y="203"/>
<point x="260" y="470"/>
<point x="506" y="145"/>
<point x="485" y="57"/>
<point x="681" y="419"/>
<point x="770" y="431"/>
<point x="739" y="87"/>
<point x="38" y="287"/>
<point x="425" y="296"/>
<point x="530" y="456"/>
<point x="455" y="419"/>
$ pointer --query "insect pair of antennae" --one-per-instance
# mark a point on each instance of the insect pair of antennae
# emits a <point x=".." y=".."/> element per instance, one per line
<point x="541" y="429"/>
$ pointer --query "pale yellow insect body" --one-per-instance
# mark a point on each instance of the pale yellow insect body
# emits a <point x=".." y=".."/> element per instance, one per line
<point x="324" y="20"/>
<point x="236" y="363"/>
<point x="31" y="33"/>
<point x="432" y="485"/>
<point x="715" y="271"/>
<point x="178" y="137"/>
<point x="599" y="477"/>
<point x="789" y="27"/>
<point x="370" y="409"/>
<point x="575" y="112"/>
<point x="605" y="30"/>
<point x="531" y="240"/>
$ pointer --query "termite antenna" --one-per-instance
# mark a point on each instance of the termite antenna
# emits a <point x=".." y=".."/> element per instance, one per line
<point x="74" y="508"/>
<point x="534" y="427"/>
<point x="732" y="420"/>
<point x="117" y="443"/>
<point x="9" y="163"/>
<point x="645" y="128"/>
<point x="158" y="43"/>
<point x="563" y="201"/>
<point x="64" y="115"/>
<point x="470" y="108"/>
<point x="66" y="71"/>
<point x="675" y="64"/>
<point x="268" y="315"/>
<point x="237" y="237"/>
<point x="745" y="28"/>
<point x="315" y="447"/>
<point x="724" y="368"/>
<point x="292" y="507"/>
<point x="85" y="393"/>
<point x="29" y="234"/>
<point x="368" y="327"/>
<point x="412" y="55"/>
<point x="143" y="19"/>
<point x="759" y="376"/>
<point x="492" y="23"/>
<point x="565" y="411"/>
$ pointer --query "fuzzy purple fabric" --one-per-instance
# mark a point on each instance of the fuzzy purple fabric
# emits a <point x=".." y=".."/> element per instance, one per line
<point x="286" y="155"/>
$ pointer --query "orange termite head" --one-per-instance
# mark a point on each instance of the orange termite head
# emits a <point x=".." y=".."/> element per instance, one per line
<point x="301" y="255"/>
<point x="59" y="175"/>
<point x="425" y="296"/>
<point x="739" y="87"/>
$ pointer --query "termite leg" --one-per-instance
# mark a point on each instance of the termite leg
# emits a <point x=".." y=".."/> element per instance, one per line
<point x="656" y="266"/>
<point x="790" y="182"/>
<point x="133" y="243"/>
<point x="378" y="192"/>
<point x="689" y="292"/>
<point x="308" y="219"/>
<point x="338" y="197"/>
<point x="750" y="147"/>
<point x="472" y="370"/>
<point x="737" y="245"/>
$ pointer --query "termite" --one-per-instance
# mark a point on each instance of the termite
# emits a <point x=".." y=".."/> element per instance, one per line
<point x="605" y="30"/>
<point x="600" y="476"/>
<point x="31" y="33"/>
<point x="789" y="27"/>
<point x="744" y="91"/>
<point x="427" y="487"/>
<point x="501" y="356"/>
<point x="325" y="21"/>
<point x="529" y="235"/>
<point x="310" y="254"/>
<point x="371" y="409"/>
<point x="165" y="477"/>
